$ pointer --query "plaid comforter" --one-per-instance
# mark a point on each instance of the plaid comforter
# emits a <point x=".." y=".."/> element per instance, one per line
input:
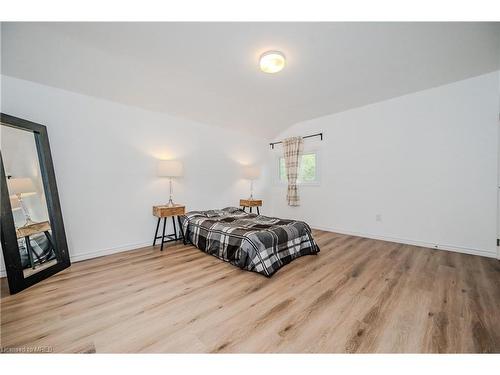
<point x="252" y="242"/>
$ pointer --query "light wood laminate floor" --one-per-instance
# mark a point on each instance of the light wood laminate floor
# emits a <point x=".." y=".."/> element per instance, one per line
<point x="358" y="295"/>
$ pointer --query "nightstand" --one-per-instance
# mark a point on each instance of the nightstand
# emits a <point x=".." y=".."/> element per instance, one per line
<point x="164" y="212"/>
<point x="251" y="203"/>
<point x="30" y="230"/>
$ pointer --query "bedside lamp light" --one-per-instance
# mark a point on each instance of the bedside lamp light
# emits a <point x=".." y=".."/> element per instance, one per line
<point x="19" y="188"/>
<point x="251" y="173"/>
<point x="170" y="169"/>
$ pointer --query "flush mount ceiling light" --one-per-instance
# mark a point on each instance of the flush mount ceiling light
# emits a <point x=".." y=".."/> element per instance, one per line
<point x="272" y="61"/>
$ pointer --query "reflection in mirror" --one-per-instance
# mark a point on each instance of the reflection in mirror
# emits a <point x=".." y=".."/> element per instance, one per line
<point x="27" y="198"/>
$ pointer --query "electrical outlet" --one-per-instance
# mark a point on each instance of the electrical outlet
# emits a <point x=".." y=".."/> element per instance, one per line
<point x="378" y="217"/>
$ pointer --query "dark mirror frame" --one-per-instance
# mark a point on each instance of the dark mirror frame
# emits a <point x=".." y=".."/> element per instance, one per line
<point x="12" y="256"/>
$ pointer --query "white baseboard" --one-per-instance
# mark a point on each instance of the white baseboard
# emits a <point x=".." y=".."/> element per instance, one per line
<point x="458" y="249"/>
<point x="95" y="254"/>
<point x="108" y="251"/>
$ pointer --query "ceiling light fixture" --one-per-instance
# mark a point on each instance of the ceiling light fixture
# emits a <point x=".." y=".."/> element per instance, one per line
<point x="272" y="61"/>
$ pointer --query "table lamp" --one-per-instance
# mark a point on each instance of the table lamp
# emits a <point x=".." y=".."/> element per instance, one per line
<point x="19" y="188"/>
<point x="251" y="173"/>
<point x="170" y="169"/>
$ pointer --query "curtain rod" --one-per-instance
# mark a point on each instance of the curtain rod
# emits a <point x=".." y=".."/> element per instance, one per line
<point x="307" y="136"/>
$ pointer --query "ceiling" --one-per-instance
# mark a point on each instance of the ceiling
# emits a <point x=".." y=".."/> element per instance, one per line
<point x="208" y="72"/>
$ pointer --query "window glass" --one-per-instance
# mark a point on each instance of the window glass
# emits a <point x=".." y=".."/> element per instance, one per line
<point x="307" y="171"/>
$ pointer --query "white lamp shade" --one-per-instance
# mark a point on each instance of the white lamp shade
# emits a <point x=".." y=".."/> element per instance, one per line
<point x="251" y="172"/>
<point x="169" y="168"/>
<point x="23" y="185"/>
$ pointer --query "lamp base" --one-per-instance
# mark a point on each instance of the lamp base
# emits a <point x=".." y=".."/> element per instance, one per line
<point x="28" y="223"/>
<point x="170" y="203"/>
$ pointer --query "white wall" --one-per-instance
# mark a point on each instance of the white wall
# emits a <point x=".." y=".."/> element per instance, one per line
<point x="105" y="161"/>
<point x="426" y="162"/>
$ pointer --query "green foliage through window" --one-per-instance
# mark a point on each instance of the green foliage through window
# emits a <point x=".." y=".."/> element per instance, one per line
<point x="307" y="171"/>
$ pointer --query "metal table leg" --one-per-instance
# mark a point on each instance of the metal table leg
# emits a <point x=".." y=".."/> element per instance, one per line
<point x="49" y="238"/>
<point x="175" y="229"/>
<point x="182" y="232"/>
<point x="156" y="232"/>
<point x="163" y="236"/>
<point x="29" y="251"/>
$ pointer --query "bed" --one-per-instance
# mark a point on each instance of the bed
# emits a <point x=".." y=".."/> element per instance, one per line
<point x="252" y="242"/>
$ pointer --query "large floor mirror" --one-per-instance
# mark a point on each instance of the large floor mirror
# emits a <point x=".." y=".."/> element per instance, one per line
<point x="32" y="232"/>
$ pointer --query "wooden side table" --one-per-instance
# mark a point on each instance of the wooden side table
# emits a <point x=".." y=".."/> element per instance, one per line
<point x="164" y="212"/>
<point x="29" y="230"/>
<point x="251" y="203"/>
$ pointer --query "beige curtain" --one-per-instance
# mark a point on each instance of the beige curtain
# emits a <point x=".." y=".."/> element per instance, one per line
<point x="292" y="150"/>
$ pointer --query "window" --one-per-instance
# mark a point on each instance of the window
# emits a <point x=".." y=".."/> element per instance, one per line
<point x="308" y="169"/>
